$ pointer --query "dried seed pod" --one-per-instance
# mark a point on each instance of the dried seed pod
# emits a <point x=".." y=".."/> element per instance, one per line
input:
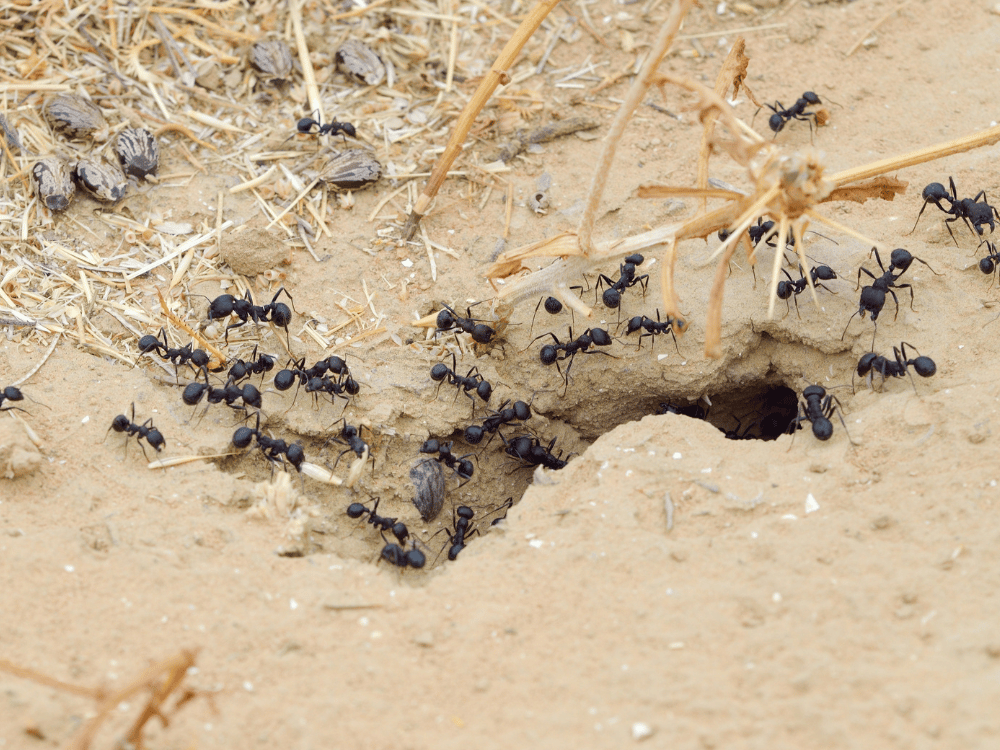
<point x="273" y="59"/>
<point x="13" y="141"/>
<point x="76" y="118"/>
<point x="357" y="60"/>
<point x="138" y="152"/>
<point x="53" y="183"/>
<point x="352" y="169"/>
<point x="428" y="479"/>
<point x="102" y="179"/>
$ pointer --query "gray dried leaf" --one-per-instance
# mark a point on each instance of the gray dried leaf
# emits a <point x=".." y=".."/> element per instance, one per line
<point x="102" y="179"/>
<point x="138" y="152"/>
<point x="428" y="479"/>
<point x="273" y="59"/>
<point x="53" y="184"/>
<point x="76" y="117"/>
<point x="13" y="141"/>
<point x="352" y="169"/>
<point x="357" y="60"/>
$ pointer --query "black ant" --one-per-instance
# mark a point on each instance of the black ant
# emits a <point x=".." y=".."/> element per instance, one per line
<point x="736" y="434"/>
<point x="274" y="450"/>
<point x="759" y="232"/>
<point x="989" y="264"/>
<point x="398" y="528"/>
<point x="345" y="387"/>
<point x="351" y="437"/>
<point x="448" y="319"/>
<point x="177" y="356"/>
<point x="461" y="465"/>
<point x="228" y="394"/>
<point x="550" y="353"/>
<point x="461" y="520"/>
<point x="797" y="111"/>
<point x="969" y="210"/>
<point x="10" y="393"/>
<point x="612" y="296"/>
<point x="529" y="450"/>
<point x="258" y="365"/>
<point x="694" y="411"/>
<point x="273" y="312"/>
<point x="896" y="367"/>
<point x="144" y="431"/>
<point x="653" y="328"/>
<point x="795" y="287"/>
<point x="519" y="411"/>
<point x="873" y="297"/>
<point x="395" y="555"/>
<point x="817" y="409"/>
<point x="472" y="381"/>
<point x="309" y="126"/>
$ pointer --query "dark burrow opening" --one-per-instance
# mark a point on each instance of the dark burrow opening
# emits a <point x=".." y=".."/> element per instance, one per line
<point x="759" y="412"/>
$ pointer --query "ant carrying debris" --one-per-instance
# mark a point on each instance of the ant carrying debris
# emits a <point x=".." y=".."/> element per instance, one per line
<point x="274" y="450"/>
<point x="529" y="450"/>
<point x="461" y="465"/>
<point x="382" y="523"/>
<point x="472" y="381"/>
<point x="519" y="411"/>
<point x="817" y="409"/>
<point x="873" y="297"/>
<point x="653" y="328"/>
<point x="612" y="296"/>
<point x="145" y="431"/>
<point x="448" y="319"/>
<point x="872" y="363"/>
<point x="794" y="287"/>
<point x="970" y="210"/>
<point x="273" y="312"/>
<point x="797" y="111"/>
<point x="177" y="356"/>
<point x="351" y="437"/>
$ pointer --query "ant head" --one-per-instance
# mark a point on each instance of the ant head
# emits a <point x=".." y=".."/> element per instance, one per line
<point x="464" y="511"/>
<point x="430" y="446"/>
<point x="484" y="390"/>
<point x="349" y="431"/>
<point x="10" y="393"/>
<point x="635" y="259"/>
<point x="474" y="434"/>
<point x="825" y="273"/>
<point x="445" y="319"/>
<point x="901" y="259"/>
<point x="356" y="510"/>
<point x="465" y="469"/>
<point x="308" y="126"/>
<point x="522" y="411"/>
<point x="814" y="391"/>
<point x="611" y="298"/>
<point x="935" y="192"/>
<point x="221" y="306"/>
<point x="924" y="366"/>
<point x="634" y="324"/>
<point x="281" y="315"/>
<point x="439" y="372"/>
<point x="155" y="439"/>
<point x="482" y="333"/>
<point x="811" y="97"/>
<point x="865" y="363"/>
<point x="394" y="555"/>
<point x="600" y="337"/>
<point x="547" y="354"/>
<point x="414" y="557"/>
<point x="242" y="437"/>
<point x="785" y="289"/>
<point x="251" y="396"/>
<point x="296" y="456"/>
<point x="351" y="386"/>
<point x="265" y="362"/>
<point x="193" y="393"/>
<point x="120" y="423"/>
<point x="986" y="265"/>
<point x="552" y="305"/>
<point x="149" y="343"/>
<point x="199" y="358"/>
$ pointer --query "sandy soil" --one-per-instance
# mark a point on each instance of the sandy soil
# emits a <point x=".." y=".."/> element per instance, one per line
<point x="799" y="593"/>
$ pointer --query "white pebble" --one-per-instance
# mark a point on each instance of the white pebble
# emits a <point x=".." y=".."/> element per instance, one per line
<point x="811" y="504"/>
<point x="641" y="730"/>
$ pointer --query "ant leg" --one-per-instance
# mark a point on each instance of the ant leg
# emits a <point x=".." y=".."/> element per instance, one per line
<point x="830" y="409"/>
<point x="918" y="217"/>
<point x="867" y="272"/>
<point x="554" y="338"/>
<point x="848" y="325"/>
<point x="947" y="225"/>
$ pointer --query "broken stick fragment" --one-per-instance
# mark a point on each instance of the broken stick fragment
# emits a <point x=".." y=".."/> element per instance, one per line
<point x="556" y="129"/>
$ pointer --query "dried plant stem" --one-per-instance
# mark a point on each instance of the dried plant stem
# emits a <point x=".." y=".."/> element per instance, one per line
<point x="986" y="137"/>
<point x="312" y="90"/>
<point x="637" y="92"/>
<point x="496" y="76"/>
